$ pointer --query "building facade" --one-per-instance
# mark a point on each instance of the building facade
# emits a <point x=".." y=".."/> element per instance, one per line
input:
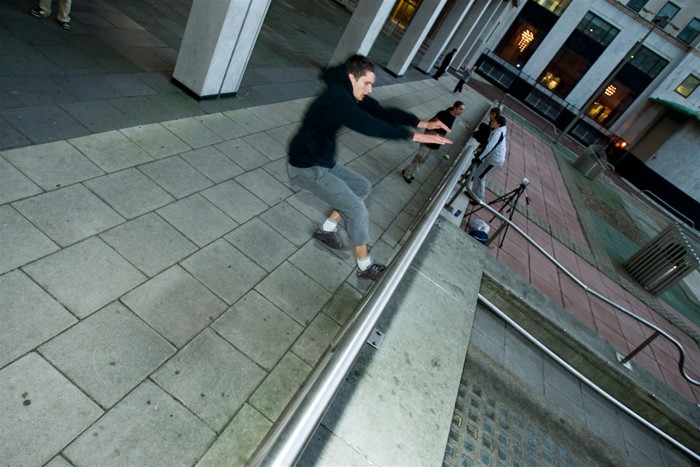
<point x="620" y="70"/>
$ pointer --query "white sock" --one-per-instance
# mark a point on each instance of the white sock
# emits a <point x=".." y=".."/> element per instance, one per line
<point x="329" y="226"/>
<point x="364" y="263"/>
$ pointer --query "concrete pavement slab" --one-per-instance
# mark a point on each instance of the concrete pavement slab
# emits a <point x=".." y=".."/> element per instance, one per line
<point x="14" y="184"/>
<point x="38" y="403"/>
<point x="264" y="186"/>
<point x="289" y="222"/>
<point x="211" y="378"/>
<point x="212" y="163"/>
<point x="222" y="125"/>
<point x="198" y="219"/>
<point x="279" y="387"/>
<point x="175" y="304"/>
<point x="266" y="145"/>
<point x="293" y="292"/>
<point x="129" y="192"/>
<point x="44" y="123"/>
<point x="323" y="265"/>
<point x="156" y="140"/>
<point x="232" y="198"/>
<point x="261" y="243"/>
<point x="68" y="215"/>
<point x="86" y="276"/>
<point x="252" y="123"/>
<point x="148" y="427"/>
<point x="97" y="116"/>
<point x="253" y="316"/>
<point x="29" y="315"/>
<point x="108" y="354"/>
<point x="316" y="339"/>
<point x="53" y="165"/>
<point x="149" y="243"/>
<point x="224" y="270"/>
<point x="111" y="151"/>
<point x="192" y="132"/>
<point x="243" y="154"/>
<point x="176" y="176"/>
<point x="238" y="441"/>
<point x="22" y="242"/>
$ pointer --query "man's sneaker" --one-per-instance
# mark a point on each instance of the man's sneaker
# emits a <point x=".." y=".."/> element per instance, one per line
<point x="65" y="25"/>
<point x="446" y="157"/>
<point x="330" y="239"/>
<point x="406" y="178"/>
<point x="372" y="273"/>
<point x="39" y="13"/>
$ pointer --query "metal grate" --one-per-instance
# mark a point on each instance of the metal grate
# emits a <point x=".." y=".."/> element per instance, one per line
<point x="664" y="261"/>
<point x="592" y="162"/>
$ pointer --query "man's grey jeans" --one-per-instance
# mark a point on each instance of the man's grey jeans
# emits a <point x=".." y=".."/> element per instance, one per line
<point x="344" y="190"/>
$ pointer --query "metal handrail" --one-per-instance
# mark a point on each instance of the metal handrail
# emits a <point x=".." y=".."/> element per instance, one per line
<point x="657" y="330"/>
<point x="484" y="301"/>
<point x="669" y="207"/>
<point x="288" y="437"/>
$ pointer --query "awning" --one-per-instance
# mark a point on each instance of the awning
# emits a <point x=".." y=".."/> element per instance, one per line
<point x="693" y="113"/>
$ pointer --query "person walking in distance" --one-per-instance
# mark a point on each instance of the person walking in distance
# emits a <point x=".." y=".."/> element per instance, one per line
<point x="312" y="153"/>
<point x="463" y="80"/>
<point x="447" y="117"/>
<point x="445" y="63"/>
<point x="44" y="11"/>
<point x="492" y="156"/>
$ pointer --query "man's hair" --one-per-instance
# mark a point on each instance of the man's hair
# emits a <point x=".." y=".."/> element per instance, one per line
<point x="457" y="104"/>
<point x="500" y="119"/>
<point x="495" y="111"/>
<point x="358" y="65"/>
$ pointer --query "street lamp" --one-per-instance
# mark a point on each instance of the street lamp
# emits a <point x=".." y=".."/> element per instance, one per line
<point x="605" y="84"/>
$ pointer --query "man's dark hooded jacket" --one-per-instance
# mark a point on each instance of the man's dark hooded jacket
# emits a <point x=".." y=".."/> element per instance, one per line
<point x="315" y="143"/>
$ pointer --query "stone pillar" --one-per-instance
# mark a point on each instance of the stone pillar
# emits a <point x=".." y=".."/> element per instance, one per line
<point x="421" y="23"/>
<point x="468" y="24"/>
<point x="447" y="30"/>
<point x="476" y="38"/>
<point x="362" y="30"/>
<point x="218" y="40"/>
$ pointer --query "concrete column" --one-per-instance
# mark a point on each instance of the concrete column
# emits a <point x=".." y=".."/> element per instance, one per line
<point x="447" y="31"/>
<point x="218" y="40"/>
<point x="561" y="30"/>
<point x="362" y="30"/>
<point x="474" y="42"/>
<point x="468" y="24"/>
<point x="421" y="23"/>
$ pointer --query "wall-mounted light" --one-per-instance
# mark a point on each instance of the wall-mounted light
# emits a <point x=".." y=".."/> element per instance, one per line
<point x="610" y="90"/>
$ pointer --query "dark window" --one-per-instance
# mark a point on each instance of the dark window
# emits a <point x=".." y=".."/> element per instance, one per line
<point x="666" y="14"/>
<point x="688" y="85"/>
<point x="648" y="62"/>
<point x="690" y="32"/>
<point x="597" y="29"/>
<point x="583" y="47"/>
<point x="636" y="5"/>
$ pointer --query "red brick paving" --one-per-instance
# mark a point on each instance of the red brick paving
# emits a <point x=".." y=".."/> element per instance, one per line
<point x="550" y="201"/>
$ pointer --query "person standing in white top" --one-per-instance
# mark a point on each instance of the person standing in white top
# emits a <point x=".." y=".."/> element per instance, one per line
<point x="492" y="157"/>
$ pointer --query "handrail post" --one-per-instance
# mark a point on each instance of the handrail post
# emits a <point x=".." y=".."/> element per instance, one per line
<point x="640" y="347"/>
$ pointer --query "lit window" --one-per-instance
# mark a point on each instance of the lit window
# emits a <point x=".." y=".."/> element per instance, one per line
<point x="666" y="14"/>
<point x="690" y="32"/>
<point x="636" y="5"/>
<point x="688" y="85"/>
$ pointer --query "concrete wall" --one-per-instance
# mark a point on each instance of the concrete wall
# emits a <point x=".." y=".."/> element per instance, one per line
<point x="678" y="160"/>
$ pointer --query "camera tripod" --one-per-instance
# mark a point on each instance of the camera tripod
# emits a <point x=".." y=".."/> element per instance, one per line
<point x="510" y="201"/>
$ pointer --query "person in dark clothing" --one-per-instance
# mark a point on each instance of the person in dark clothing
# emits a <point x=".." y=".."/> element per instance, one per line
<point x="463" y="80"/>
<point x="312" y="153"/>
<point x="445" y="63"/>
<point x="447" y="117"/>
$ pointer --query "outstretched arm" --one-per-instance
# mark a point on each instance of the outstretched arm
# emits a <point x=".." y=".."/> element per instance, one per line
<point x="430" y="138"/>
<point x="433" y="125"/>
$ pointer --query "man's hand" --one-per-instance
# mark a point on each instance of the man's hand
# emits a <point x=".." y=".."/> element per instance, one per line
<point x="433" y="125"/>
<point x="430" y="138"/>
